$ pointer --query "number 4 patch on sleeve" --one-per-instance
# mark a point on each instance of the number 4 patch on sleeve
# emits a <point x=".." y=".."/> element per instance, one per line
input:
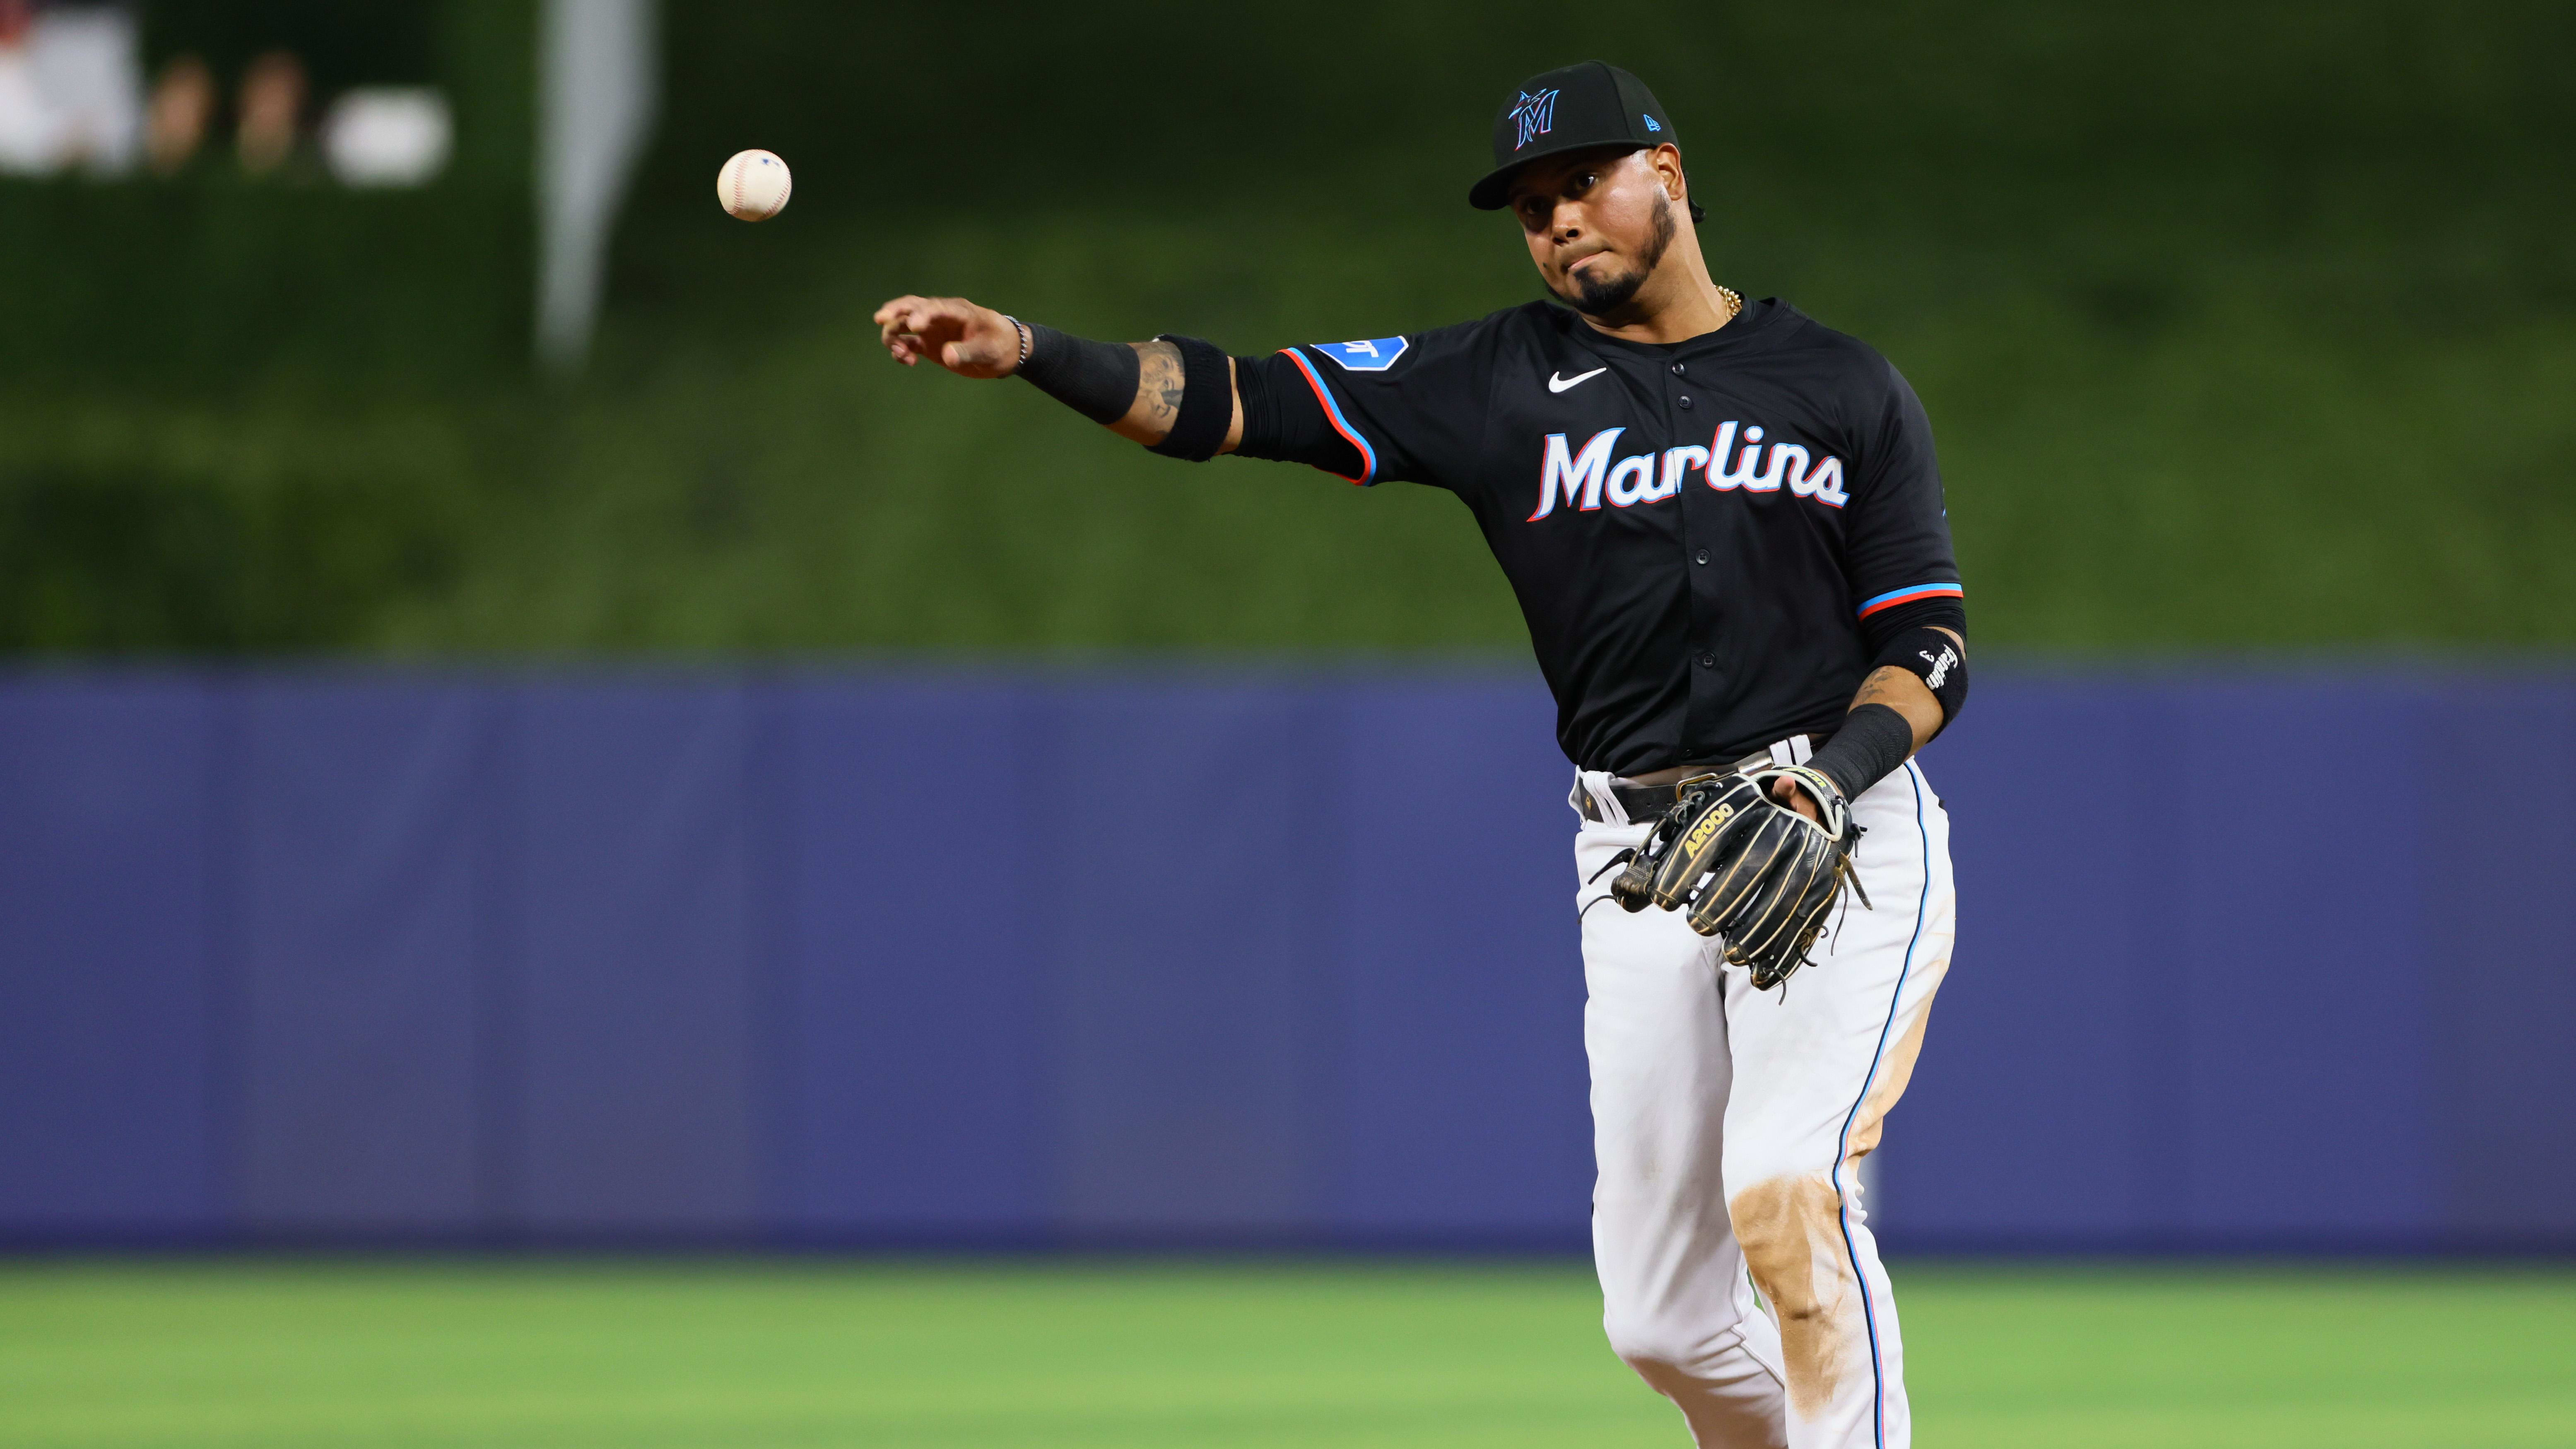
<point x="1376" y="354"/>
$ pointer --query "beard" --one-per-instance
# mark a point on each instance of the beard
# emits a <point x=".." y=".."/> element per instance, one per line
<point x="1599" y="296"/>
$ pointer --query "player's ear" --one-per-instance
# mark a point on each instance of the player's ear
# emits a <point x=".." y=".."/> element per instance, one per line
<point x="1667" y="161"/>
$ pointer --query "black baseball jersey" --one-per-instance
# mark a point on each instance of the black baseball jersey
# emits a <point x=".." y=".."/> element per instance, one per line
<point x="1704" y="536"/>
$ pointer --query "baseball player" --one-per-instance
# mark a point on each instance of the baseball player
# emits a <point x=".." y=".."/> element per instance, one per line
<point x="1725" y="527"/>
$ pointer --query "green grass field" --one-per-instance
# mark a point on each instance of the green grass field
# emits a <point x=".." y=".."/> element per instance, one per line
<point x="1354" y="1354"/>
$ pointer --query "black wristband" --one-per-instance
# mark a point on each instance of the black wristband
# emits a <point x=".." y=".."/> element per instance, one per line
<point x="1872" y="741"/>
<point x="1095" y="379"/>
<point x="1935" y="658"/>
<point x="1207" y="402"/>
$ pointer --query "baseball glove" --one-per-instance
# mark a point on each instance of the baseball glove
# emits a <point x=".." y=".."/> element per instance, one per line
<point x="1751" y="869"/>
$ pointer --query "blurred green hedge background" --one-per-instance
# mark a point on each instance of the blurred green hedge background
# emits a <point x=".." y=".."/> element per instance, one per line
<point x="2240" y="326"/>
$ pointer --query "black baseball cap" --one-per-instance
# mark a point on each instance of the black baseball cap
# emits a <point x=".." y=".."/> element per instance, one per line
<point x="1571" y="108"/>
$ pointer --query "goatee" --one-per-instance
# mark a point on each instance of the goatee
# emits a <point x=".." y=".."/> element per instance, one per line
<point x="1600" y="296"/>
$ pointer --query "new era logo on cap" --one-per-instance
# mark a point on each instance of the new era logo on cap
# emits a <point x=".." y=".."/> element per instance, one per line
<point x="1536" y="116"/>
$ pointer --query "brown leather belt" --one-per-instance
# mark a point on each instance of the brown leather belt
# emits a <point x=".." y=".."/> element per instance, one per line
<point x="1645" y="802"/>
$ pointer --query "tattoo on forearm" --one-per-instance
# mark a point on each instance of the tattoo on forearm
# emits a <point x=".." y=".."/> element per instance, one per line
<point x="1881" y="687"/>
<point x="1159" y="383"/>
<point x="1904" y="692"/>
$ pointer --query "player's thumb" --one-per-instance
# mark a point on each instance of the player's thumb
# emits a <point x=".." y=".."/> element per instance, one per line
<point x="973" y="356"/>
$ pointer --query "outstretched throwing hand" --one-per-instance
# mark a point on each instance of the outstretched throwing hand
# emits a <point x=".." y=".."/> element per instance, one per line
<point x="968" y="340"/>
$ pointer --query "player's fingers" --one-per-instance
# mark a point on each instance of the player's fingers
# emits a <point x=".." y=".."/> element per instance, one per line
<point x="1787" y="792"/>
<point x="915" y="317"/>
<point x="950" y="331"/>
<point x="899" y="307"/>
<point x="934" y="309"/>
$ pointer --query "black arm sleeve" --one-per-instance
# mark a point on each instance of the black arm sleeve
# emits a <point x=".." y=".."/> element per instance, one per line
<point x="1284" y="421"/>
<point x="1872" y="741"/>
<point x="1095" y="379"/>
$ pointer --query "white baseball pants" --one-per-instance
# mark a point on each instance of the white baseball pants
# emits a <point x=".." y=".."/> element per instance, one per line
<point x="1728" y="1125"/>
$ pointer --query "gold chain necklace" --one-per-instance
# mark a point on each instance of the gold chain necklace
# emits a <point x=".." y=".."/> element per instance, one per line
<point x="1734" y="301"/>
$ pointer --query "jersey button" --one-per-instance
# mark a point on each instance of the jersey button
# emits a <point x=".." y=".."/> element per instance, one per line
<point x="1708" y="661"/>
<point x="1678" y="369"/>
<point x="1684" y="400"/>
<point x="1700" y="557"/>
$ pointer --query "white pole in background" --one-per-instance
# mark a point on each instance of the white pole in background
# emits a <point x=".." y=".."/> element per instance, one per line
<point x="598" y="81"/>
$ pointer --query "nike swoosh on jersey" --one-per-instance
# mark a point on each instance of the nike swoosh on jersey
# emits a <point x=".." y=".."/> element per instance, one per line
<point x="1560" y="384"/>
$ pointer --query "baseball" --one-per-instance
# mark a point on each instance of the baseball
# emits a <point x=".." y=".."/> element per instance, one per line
<point x="754" y="186"/>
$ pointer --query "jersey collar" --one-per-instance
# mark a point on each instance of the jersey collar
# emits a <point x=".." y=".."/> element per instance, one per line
<point x="1752" y="328"/>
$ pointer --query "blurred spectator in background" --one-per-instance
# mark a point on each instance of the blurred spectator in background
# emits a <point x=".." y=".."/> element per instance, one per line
<point x="89" y="66"/>
<point x="272" y="106"/>
<point x="31" y="134"/>
<point x="71" y="88"/>
<point x="388" y="136"/>
<point x="183" y="107"/>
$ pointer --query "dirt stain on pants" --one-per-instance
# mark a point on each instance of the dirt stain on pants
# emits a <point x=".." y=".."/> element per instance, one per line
<point x="1791" y="1230"/>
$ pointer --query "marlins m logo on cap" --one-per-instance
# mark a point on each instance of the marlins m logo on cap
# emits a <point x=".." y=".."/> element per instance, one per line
<point x="1536" y="115"/>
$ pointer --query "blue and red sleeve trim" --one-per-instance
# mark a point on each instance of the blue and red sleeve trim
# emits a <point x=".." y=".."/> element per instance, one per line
<point x="1341" y="425"/>
<point x="1910" y="594"/>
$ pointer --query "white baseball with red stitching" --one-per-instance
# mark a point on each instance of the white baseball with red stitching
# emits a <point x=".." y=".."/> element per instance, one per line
<point x="754" y="185"/>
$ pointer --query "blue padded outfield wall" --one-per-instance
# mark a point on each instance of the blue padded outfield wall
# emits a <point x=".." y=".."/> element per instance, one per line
<point x="1141" y="957"/>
